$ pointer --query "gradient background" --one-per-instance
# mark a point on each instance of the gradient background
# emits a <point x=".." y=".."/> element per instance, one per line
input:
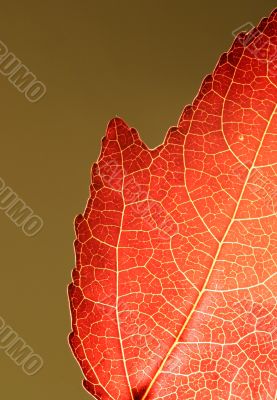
<point x="141" y="60"/>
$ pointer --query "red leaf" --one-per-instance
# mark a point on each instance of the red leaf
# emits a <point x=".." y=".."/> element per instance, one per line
<point x="174" y="290"/>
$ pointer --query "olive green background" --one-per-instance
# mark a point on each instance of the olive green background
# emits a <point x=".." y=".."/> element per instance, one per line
<point x="140" y="60"/>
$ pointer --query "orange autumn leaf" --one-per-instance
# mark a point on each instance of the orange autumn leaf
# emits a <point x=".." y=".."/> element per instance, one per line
<point x="174" y="290"/>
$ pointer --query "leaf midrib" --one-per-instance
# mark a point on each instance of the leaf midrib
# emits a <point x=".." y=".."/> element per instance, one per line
<point x="214" y="262"/>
